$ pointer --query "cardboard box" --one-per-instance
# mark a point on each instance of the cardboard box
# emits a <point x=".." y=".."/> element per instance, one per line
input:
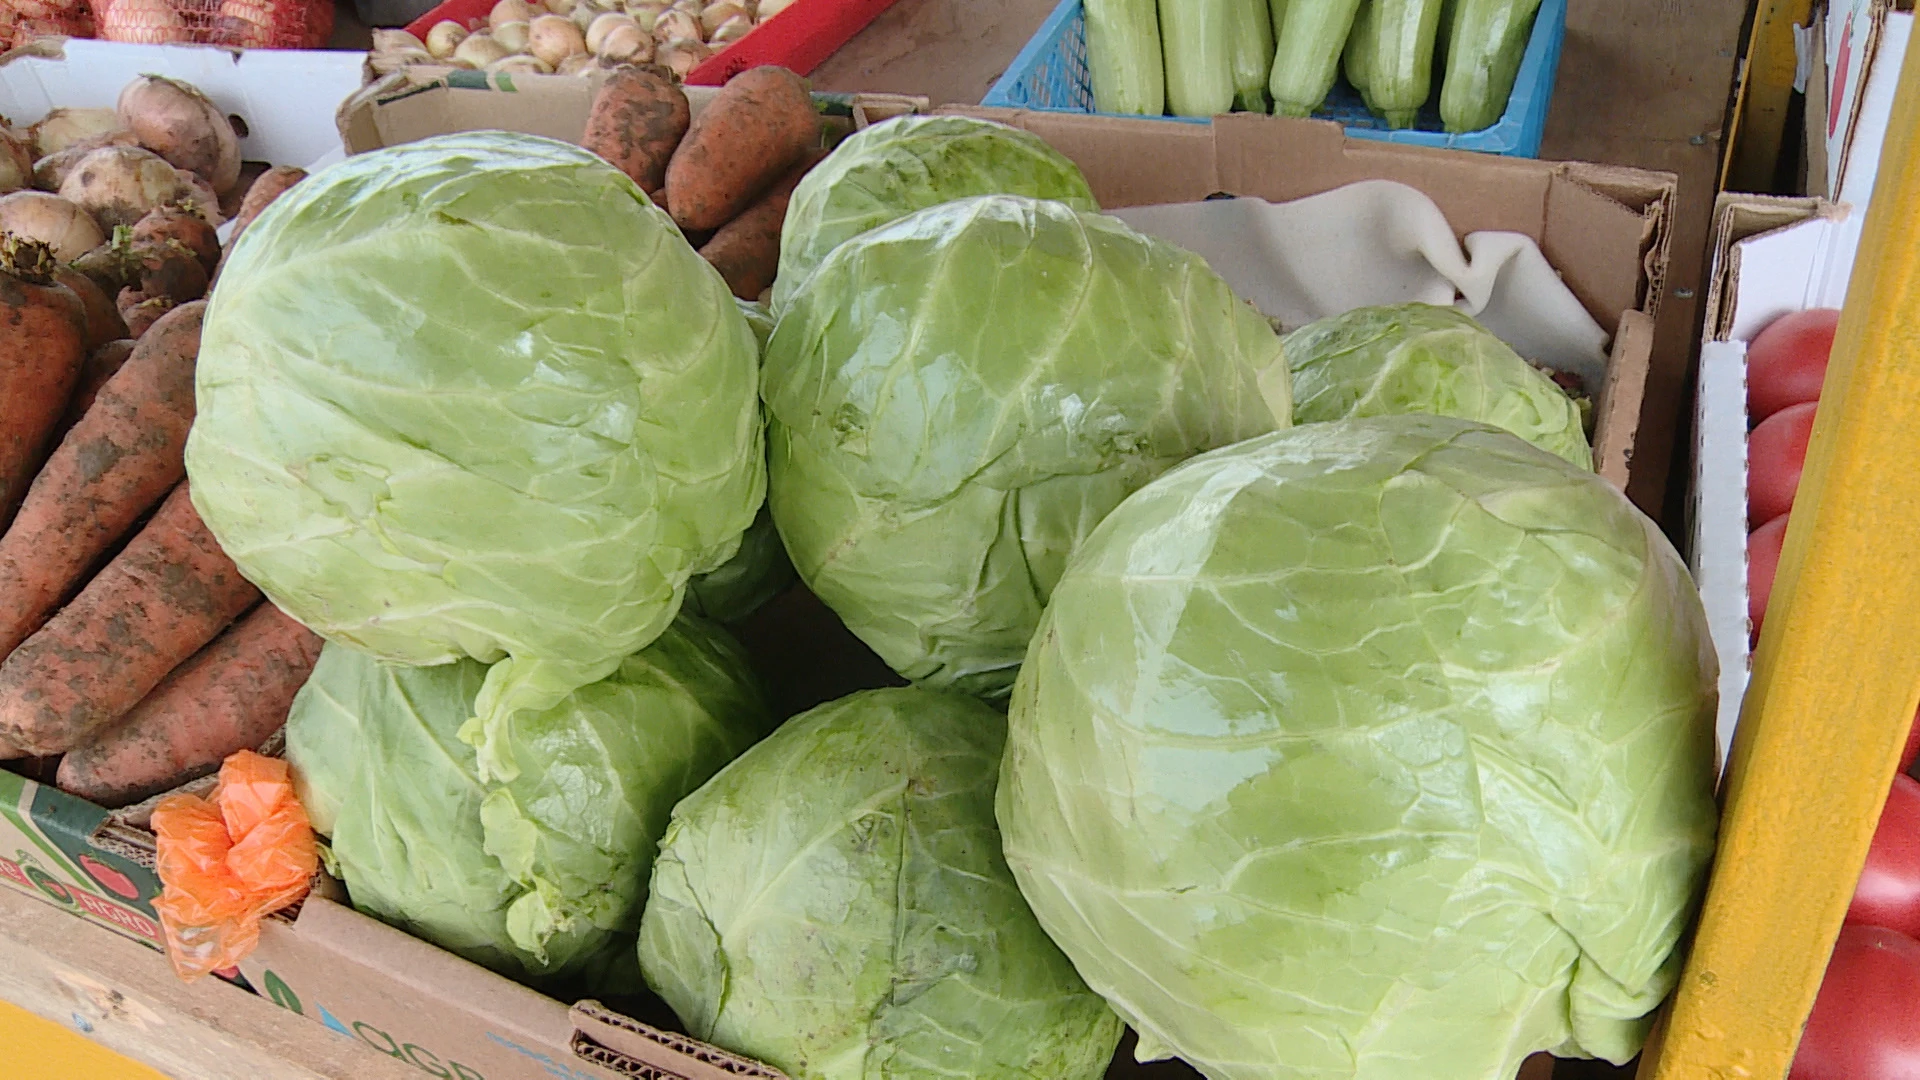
<point x="72" y="854"/>
<point x="1863" y="45"/>
<point x="1771" y="256"/>
<point x="425" y="101"/>
<point x="1605" y="229"/>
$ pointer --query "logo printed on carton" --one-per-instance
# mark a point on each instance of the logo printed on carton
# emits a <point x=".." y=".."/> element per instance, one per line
<point x="108" y="911"/>
<point x="278" y="992"/>
<point x="12" y="872"/>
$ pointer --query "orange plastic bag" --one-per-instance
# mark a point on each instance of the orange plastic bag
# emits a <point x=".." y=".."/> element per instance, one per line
<point x="228" y="862"/>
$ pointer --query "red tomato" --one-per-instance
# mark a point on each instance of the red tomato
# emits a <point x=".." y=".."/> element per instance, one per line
<point x="1889" y="891"/>
<point x="1787" y="362"/>
<point x="1863" y="1026"/>
<point x="1776" y="452"/>
<point x="1763" y="561"/>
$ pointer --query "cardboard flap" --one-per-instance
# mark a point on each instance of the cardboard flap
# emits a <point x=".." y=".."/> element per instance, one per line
<point x="1617" y="409"/>
<point x="630" y="1047"/>
<point x="1615" y="244"/>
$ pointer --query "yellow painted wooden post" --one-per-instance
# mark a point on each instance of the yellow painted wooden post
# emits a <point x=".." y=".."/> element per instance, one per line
<point x="1836" y="676"/>
<point x="1761" y="113"/>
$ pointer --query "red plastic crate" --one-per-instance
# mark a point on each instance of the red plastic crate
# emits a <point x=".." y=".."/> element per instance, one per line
<point x="798" y="39"/>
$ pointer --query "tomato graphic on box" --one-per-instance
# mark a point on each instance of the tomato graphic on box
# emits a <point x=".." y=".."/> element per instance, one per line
<point x="110" y="879"/>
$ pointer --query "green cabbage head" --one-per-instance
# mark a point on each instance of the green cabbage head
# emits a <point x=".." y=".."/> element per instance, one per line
<point x="474" y="396"/>
<point x="1419" y="358"/>
<point x="542" y="878"/>
<point x="1369" y="743"/>
<point x="887" y="171"/>
<point x="835" y="903"/>
<point x="955" y="399"/>
<point x="757" y="573"/>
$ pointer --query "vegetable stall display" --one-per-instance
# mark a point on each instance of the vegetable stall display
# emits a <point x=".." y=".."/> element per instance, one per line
<point x="1200" y="57"/>
<point x="1353" y="719"/>
<point x="129" y="642"/>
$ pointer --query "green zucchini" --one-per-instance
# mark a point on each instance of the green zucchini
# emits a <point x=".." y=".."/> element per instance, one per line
<point x="1123" y="54"/>
<point x="1197" y="38"/>
<point x="1360" y="48"/>
<point x="1307" y="55"/>
<point x="1485" y="44"/>
<point x="1401" y="37"/>
<point x="1251" y="34"/>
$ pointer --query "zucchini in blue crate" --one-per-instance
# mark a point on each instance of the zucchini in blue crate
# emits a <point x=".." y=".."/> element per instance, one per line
<point x="1485" y="46"/>
<point x="1124" y="58"/>
<point x="1251" y="37"/>
<point x="1197" y="37"/>
<point x="1390" y="56"/>
<point x="1306" y="60"/>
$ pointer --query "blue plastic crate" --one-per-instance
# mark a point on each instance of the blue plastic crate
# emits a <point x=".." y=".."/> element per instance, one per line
<point x="1050" y="75"/>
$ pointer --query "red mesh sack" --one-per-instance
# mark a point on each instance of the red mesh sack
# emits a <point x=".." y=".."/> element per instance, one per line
<point x="228" y="861"/>
<point x="23" y="20"/>
<point x="244" y="24"/>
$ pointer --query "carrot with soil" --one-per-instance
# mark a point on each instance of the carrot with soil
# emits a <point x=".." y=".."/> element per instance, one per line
<point x="231" y="696"/>
<point x="43" y="332"/>
<point x="123" y="456"/>
<point x="757" y="128"/>
<point x="746" y="250"/>
<point x="162" y="599"/>
<point x="104" y="323"/>
<point x="637" y="121"/>
<point x="101" y="365"/>
<point x="272" y="184"/>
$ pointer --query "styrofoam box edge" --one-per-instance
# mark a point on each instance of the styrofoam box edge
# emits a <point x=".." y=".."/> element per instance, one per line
<point x="1719" y="549"/>
<point x="285" y="99"/>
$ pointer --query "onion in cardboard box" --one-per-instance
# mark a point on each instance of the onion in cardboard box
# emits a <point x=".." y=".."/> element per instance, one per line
<point x="179" y="123"/>
<point x="119" y="184"/>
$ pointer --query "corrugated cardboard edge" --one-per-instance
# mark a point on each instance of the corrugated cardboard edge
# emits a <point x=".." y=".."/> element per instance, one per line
<point x="1716" y="507"/>
<point x="1819" y="90"/>
<point x="564" y="96"/>
<point x="1739" y="217"/>
<point x="628" y="1046"/>
<point x="1617" y="419"/>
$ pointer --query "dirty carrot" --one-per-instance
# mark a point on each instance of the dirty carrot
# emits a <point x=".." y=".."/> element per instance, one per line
<point x="43" y="331"/>
<point x="637" y="120"/>
<point x="162" y="599"/>
<point x="122" y="457"/>
<point x="746" y="250"/>
<point x="231" y="696"/>
<point x="756" y="128"/>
